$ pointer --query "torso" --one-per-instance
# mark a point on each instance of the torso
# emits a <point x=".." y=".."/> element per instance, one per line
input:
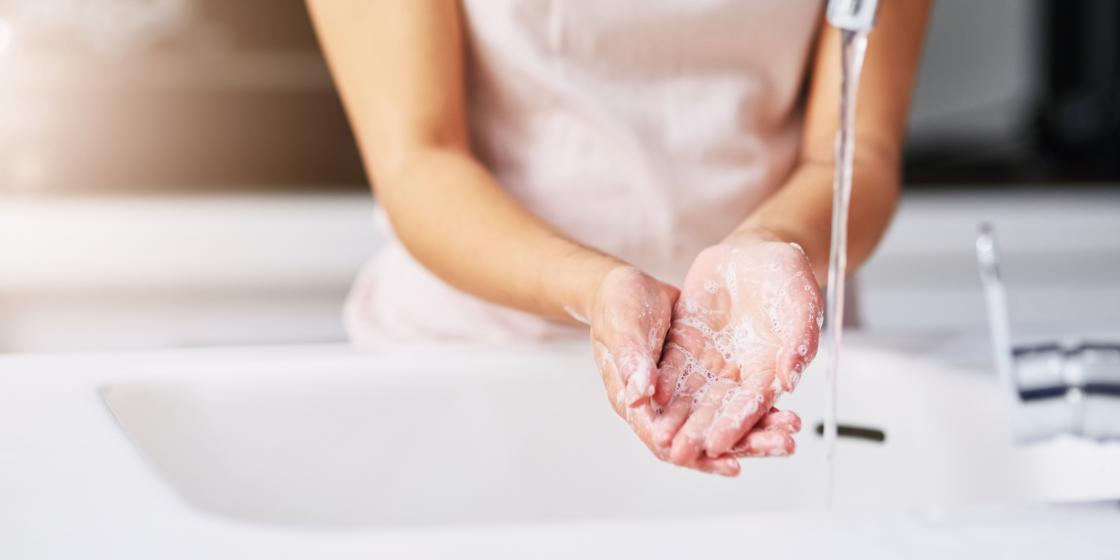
<point x="645" y="128"/>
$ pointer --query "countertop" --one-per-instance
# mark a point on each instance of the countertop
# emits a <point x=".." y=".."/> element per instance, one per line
<point x="72" y="486"/>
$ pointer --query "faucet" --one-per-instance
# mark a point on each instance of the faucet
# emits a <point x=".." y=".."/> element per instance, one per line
<point x="852" y="15"/>
<point x="1067" y="387"/>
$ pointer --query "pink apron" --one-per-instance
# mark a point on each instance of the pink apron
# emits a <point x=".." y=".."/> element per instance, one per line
<point x="645" y="128"/>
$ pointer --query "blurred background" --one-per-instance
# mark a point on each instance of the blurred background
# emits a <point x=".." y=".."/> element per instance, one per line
<point x="181" y="173"/>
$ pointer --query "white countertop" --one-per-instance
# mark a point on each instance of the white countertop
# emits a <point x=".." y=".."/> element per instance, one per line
<point x="172" y="271"/>
<point x="297" y="241"/>
<point x="72" y="486"/>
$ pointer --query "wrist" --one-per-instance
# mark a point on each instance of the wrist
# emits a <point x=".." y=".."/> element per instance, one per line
<point x="813" y="243"/>
<point x="587" y="275"/>
<point x="753" y="233"/>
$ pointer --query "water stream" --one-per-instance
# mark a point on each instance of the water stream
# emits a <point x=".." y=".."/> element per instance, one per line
<point x="854" y="44"/>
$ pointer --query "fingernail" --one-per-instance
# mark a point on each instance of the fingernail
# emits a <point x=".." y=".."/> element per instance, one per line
<point x="795" y="423"/>
<point x="794" y="375"/>
<point x="780" y="445"/>
<point x="794" y="379"/>
<point x="785" y="449"/>
<point x="728" y="468"/>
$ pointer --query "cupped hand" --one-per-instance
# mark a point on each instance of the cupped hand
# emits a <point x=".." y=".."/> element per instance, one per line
<point x="746" y="324"/>
<point x="630" y="317"/>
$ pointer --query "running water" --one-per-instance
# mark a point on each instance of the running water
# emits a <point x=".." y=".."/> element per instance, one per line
<point x="854" y="43"/>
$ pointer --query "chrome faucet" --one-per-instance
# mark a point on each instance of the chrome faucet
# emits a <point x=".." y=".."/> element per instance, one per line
<point x="1069" y="387"/>
<point x="852" y="15"/>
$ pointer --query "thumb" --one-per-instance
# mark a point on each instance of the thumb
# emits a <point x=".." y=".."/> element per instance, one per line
<point x="638" y="369"/>
<point x="796" y="359"/>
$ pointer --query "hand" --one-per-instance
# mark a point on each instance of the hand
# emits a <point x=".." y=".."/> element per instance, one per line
<point x="746" y="325"/>
<point x="630" y="315"/>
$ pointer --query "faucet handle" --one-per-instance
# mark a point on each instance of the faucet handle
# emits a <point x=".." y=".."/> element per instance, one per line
<point x="852" y="15"/>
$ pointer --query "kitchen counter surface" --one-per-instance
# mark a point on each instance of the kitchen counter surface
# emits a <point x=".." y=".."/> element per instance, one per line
<point x="128" y="273"/>
<point x="72" y="486"/>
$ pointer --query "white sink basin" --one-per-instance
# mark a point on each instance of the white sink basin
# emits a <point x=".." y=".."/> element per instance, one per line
<point x="466" y="436"/>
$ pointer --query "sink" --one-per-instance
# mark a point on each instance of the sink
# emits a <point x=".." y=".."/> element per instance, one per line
<point x="454" y="435"/>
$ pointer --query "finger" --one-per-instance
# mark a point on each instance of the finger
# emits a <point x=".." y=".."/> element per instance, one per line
<point x="775" y="421"/>
<point x="668" y="377"/>
<point x="771" y="442"/>
<point x="641" y="419"/>
<point x="686" y="350"/>
<point x="642" y="384"/>
<point x="612" y="380"/>
<point x="680" y="406"/>
<point x="725" y="466"/>
<point x="741" y="411"/>
<point x="688" y="444"/>
<point x="804" y="338"/>
<point x="684" y="377"/>
<point x="675" y="362"/>
<point x="787" y="420"/>
<point x="790" y="368"/>
<point x="638" y="373"/>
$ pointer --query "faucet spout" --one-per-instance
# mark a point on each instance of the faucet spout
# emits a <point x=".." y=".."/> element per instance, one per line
<point x="1067" y="387"/>
<point x="852" y="15"/>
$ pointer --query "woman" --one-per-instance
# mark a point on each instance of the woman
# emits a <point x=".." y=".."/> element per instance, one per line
<point x="544" y="163"/>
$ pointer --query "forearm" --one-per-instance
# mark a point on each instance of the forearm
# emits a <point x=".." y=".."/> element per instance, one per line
<point x="399" y="69"/>
<point x="457" y="221"/>
<point x="801" y="212"/>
